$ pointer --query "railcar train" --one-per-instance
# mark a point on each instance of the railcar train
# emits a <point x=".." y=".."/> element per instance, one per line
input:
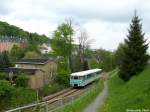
<point x="80" y="79"/>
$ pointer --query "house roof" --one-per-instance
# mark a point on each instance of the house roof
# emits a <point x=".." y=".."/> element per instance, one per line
<point x="34" y="61"/>
<point x="18" y="70"/>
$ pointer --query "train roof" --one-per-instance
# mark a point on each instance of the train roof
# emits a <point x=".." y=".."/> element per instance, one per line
<point x="83" y="73"/>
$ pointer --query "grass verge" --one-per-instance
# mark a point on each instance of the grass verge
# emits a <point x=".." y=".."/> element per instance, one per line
<point x="131" y="95"/>
<point x="84" y="100"/>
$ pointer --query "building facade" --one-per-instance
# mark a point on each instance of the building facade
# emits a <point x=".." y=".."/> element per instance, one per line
<point x="6" y="43"/>
<point x="48" y="66"/>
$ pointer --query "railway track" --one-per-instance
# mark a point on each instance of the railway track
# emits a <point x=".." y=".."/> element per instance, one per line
<point x="65" y="93"/>
<point x="60" y="95"/>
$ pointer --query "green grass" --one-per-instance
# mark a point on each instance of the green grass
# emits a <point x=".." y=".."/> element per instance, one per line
<point x="84" y="100"/>
<point x="134" y="94"/>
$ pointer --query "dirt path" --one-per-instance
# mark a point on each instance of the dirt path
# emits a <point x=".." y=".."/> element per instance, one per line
<point x="97" y="103"/>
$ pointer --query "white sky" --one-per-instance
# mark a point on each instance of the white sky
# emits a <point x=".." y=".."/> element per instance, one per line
<point x="106" y="21"/>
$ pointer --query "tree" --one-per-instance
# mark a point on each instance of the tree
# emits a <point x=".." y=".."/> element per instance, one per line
<point x="3" y="75"/>
<point x="135" y="54"/>
<point x="104" y="59"/>
<point x="5" y="60"/>
<point x="32" y="55"/>
<point x="93" y="63"/>
<point x="16" y="53"/>
<point x="22" y="80"/>
<point x="84" y="43"/>
<point x="6" y="93"/>
<point x="62" y="42"/>
<point x="119" y="54"/>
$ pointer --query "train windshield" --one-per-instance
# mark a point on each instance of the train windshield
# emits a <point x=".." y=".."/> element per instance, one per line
<point x="75" y="77"/>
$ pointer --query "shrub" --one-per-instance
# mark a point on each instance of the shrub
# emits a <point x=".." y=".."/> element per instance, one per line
<point x="22" y="80"/>
<point x="23" y="96"/>
<point x="6" y="93"/>
<point x="3" y="76"/>
<point x="50" y="89"/>
<point x="63" y="78"/>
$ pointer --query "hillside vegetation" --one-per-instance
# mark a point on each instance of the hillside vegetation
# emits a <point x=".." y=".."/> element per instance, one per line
<point x="11" y="30"/>
<point x="131" y="95"/>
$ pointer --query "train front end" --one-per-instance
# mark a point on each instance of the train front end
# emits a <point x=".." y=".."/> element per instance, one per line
<point x="76" y="81"/>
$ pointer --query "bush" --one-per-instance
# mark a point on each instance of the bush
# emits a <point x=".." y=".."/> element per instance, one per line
<point x="3" y="76"/>
<point x="22" y="80"/>
<point x="50" y="89"/>
<point x="63" y="78"/>
<point x="6" y="93"/>
<point x="23" y="96"/>
<point x="11" y="97"/>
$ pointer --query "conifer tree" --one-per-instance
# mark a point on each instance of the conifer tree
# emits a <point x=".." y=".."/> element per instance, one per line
<point x="136" y="56"/>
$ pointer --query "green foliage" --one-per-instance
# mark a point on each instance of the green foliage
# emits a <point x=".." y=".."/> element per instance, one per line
<point x="135" y="54"/>
<point x="33" y="47"/>
<point x="50" y="89"/>
<point x="5" y="89"/>
<point x="6" y="93"/>
<point x="105" y="59"/>
<point x="11" y="30"/>
<point x="5" y="60"/>
<point x="134" y="94"/>
<point x="32" y="55"/>
<point x="119" y="54"/>
<point x="61" y="42"/>
<point x="3" y="76"/>
<point x="22" y="80"/>
<point x="16" y="53"/>
<point x="63" y="78"/>
<point x="93" y="64"/>
<point x="23" y="96"/>
<point x="62" y="46"/>
<point x="14" y="97"/>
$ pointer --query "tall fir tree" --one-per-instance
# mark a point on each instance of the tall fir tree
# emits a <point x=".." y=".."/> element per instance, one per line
<point x="135" y="54"/>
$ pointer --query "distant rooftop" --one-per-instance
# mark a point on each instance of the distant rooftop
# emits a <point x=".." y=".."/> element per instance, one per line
<point x="34" y="61"/>
<point x="19" y="70"/>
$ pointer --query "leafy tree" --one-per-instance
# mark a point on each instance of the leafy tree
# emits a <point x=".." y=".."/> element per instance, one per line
<point x="93" y="63"/>
<point x="32" y="55"/>
<point x="5" y="60"/>
<point x="32" y="38"/>
<point x="23" y="96"/>
<point x="84" y="43"/>
<point x="22" y="80"/>
<point x="62" y="42"/>
<point x="6" y="93"/>
<point x="104" y="59"/>
<point x="16" y="53"/>
<point x="119" y="54"/>
<point x="135" y="54"/>
<point x="32" y="47"/>
<point x="3" y="76"/>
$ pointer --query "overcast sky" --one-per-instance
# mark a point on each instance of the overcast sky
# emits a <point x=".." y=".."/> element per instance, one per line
<point x="106" y="21"/>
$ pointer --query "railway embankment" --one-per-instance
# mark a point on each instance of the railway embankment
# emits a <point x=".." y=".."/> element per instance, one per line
<point x="128" y="96"/>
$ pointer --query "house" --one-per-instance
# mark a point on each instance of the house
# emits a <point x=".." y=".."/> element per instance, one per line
<point x="36" y="76"/>
<point x="44" y="48"/>
<point x="6" y="43"/>
<point x="47" y="66"/>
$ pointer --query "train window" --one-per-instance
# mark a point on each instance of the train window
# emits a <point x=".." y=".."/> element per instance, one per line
<point x="75" y="77"/>
<point x="71" y="77"/>
<point x="81" y="78"/>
